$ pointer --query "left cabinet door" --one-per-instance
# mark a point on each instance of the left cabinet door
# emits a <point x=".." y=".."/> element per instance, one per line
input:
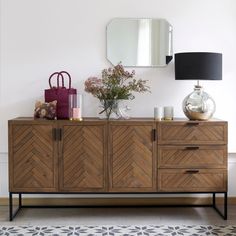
<point x="32" y="157"/>
<point x="83" y="157"/>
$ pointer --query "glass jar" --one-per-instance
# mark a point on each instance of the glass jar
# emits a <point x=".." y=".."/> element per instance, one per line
<point x="75" y="107"/>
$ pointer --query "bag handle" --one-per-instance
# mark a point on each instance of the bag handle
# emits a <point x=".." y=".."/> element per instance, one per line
<point x="69" y="78"/>
<point x="58" y="75"/>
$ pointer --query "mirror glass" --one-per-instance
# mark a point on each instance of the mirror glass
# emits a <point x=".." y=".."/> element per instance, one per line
<point x="139" y="42"/>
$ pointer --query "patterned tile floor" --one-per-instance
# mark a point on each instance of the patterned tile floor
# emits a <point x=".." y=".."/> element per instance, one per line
<point x="111" y="230"/>
<point x="106" y="221"/>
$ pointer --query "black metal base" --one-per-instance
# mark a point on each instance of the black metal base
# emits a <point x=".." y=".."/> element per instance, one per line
<point x="13" y="213"/>
<point x="223" y="215"/>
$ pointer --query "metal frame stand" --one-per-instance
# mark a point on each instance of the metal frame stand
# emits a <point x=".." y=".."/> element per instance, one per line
<point x="12" y="213"/>
<point x="225" y="213"/>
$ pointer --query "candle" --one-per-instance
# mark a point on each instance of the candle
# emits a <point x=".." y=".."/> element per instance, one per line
<point x="158" y="113"/>
<point x="76" y="113"/>
<point x="168" y="113"/>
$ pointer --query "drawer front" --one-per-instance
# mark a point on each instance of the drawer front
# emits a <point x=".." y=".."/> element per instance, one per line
<point x="192" y="133"/>
<point x="189" y="180"/>
<point x="192" y="156"/>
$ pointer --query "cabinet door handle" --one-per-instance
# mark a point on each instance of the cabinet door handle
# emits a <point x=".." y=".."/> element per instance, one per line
<point x="154" y="135"/>
<point x="191" y="148"/>
<point x="191" y="171"/>
<point x="54" y="134"/>
<point x="59" y="134"/>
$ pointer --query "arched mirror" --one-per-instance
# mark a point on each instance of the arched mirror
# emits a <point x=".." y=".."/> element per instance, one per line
<point x="139" y="42"/>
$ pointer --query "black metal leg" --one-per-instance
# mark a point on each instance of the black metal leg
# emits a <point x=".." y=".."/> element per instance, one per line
<point x="11" y="213"/>
<point x="20" y="200"/>
<point x="226" y="205"/>
<point x="224" y="215"/>
<point x="10" y="207"/>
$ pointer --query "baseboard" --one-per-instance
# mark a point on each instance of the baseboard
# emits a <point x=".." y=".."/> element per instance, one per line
<point x="120" y="201"/>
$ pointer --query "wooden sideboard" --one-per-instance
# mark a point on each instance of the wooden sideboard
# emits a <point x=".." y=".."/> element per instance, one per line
<point x="117" y="156"/>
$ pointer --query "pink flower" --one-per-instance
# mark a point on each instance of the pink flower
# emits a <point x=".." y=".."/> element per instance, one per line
<point x="116" y="83"/>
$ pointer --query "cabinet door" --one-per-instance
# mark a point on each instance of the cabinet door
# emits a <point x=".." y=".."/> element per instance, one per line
<point x="82" y="161"/>
<point x="32" y="158"/>
<point x="132" y="157"/>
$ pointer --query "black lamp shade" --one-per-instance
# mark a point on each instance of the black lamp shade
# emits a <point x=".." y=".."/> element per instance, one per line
<point x="198" y="66"/>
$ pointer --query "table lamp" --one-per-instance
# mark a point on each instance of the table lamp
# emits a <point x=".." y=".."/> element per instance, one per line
<point x="198" y="105"/>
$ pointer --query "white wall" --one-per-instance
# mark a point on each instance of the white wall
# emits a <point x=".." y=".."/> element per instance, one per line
<point x="39" y="37"/>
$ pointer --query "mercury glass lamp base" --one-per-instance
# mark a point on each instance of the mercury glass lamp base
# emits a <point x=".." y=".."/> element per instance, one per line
<point x="198" y="105"/>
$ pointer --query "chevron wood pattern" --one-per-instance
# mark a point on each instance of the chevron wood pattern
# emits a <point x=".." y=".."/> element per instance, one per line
<point x="83" y="163"/>
<point x="33" y="160"/>
<point x="185" y="157"/>
<point x="131" y="158"/>
<point x="188" y="156"/>
<point x="202" y="133"/>
<point x="182" y="181"/>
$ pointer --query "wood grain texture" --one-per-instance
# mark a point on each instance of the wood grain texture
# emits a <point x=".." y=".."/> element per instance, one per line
<point x="192" y="132"/>
<point x="32" y="159"/>
<point x="82" y="161"/>
<point x="202" y="156"/>
<point x="117" y="156"/>
<point x="132" y="158"/>
<point x="182" y="180"/>
<point x="192" y="156"/>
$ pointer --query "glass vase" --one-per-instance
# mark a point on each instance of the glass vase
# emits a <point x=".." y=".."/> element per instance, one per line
<point x="113" y="109"/>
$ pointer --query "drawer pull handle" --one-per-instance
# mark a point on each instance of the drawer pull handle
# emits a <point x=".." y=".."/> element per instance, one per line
<point x="191" y="171"/>
<point x="193" y="123"/>
<point x="191" y="148"/>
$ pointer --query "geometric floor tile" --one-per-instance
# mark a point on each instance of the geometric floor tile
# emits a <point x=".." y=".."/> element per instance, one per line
<point x="120" y="230"/>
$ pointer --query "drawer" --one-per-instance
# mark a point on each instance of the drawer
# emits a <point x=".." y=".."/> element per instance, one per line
<point x="192" y="156"/>
<point x="192" y="180"/>
<point x="192" y="132"/>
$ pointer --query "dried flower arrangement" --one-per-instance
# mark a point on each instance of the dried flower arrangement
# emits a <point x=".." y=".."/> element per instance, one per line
<point x="115" y="84"/>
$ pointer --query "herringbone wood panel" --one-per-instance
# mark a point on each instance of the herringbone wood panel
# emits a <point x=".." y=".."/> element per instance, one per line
<point x="83" y="158"/>
<point x="180" y="180"/>
<point x="182" y="157"/>
<point x="203" y="133"/>
<point x="132" y="163"/>
<point x="33" y="157"/>
<point x="131" y="157"/>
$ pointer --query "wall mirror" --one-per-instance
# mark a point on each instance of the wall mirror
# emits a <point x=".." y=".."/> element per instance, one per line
<point x="139" y="42"/>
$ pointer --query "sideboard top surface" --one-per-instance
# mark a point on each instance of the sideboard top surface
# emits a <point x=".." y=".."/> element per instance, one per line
<point x="95" y="119"/>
